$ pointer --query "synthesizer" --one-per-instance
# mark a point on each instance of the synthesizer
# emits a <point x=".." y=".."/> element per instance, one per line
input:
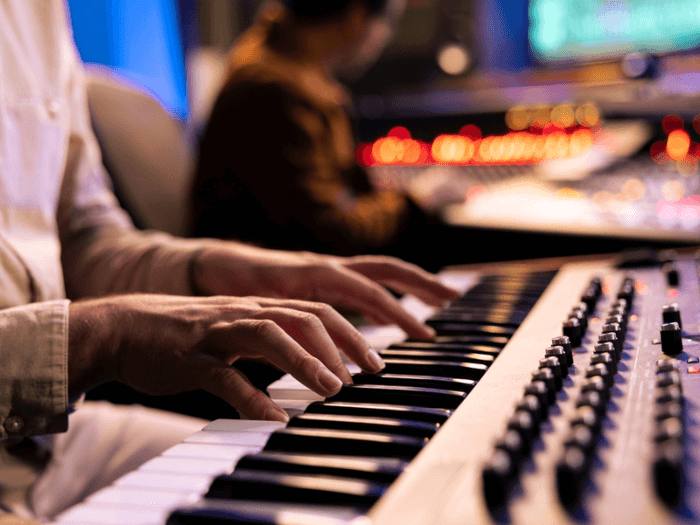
<point x="548" y="397"/>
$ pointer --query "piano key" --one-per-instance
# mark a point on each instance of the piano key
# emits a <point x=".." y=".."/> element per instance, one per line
<point x="434" y="368"/>
<point x="343" y="442"/>
<point x="214" y="511"/>
<point x="436" y="355"/>
<point x="166" y="481"/>
<point x="365" y="424"/>
<point x="379" y="470"/>
<point x="442" y="383"/>
<point x="251" y="485"/>
<point x="203" y="466"/>
<point x="481" y="340"/>
<point x="452" y="347"/>
<point x="400" y="395"/>
<point x="101" y="515"/>
<point x="123" y="496"/>
<point x="452" y="328"/>
<point x="427" y="414"/>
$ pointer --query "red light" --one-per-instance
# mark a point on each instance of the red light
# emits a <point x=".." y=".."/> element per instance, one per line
<point x="673" y="293"/>
<point x="399" y="132"/>
<point x="671" y="123"/>
<point x="363" y="155"/>
<point x="471" y="131"/>
<point x="658" y="152"/>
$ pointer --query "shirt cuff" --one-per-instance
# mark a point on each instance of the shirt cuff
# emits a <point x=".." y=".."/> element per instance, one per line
<point x="34" y="357"/>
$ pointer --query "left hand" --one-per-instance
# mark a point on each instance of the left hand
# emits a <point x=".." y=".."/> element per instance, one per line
<point x="358" y="282"/>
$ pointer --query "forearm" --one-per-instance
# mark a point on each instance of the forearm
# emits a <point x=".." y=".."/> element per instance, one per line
<point x="112" y="259"/>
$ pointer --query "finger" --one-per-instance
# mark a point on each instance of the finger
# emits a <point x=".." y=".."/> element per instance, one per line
<point x="403" y="277"/>
<point x="341" y="331"/>
<point x="338" y="285"/>
<point x="265" y="338"/>
<point x="229" y="384"/>
<point x="307" y="329"/>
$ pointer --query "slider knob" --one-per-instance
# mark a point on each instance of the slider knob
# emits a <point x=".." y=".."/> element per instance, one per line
<point x="671" y="341"/>
<point x="670" y="313"/>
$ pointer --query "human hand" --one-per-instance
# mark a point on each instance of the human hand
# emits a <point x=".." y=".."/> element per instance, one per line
<point x="161" y="344"/>
<point x="352" y="282"/>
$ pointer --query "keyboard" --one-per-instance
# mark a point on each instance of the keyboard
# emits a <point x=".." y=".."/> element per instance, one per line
<point x="547" y="397"/>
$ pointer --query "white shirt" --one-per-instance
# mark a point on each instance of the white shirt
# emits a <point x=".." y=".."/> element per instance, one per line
<point x="62" y="233"/>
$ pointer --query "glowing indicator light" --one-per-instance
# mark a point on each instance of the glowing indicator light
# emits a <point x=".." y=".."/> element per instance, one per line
<point x="399" y="132"/>
<point x="694" y="369"/>
<point x="471" y="132"/>
<point x="673" y="293"/>
<point x="634" y="317"/>
<point x="671" y="123"/>
<point x="678" y="144"/>
<point x="641" y="287"/>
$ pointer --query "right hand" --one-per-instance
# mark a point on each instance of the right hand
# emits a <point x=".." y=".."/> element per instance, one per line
<point x="162" y="344"/>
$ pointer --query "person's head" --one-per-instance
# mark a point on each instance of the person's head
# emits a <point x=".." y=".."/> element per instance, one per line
<point x="365" y="26"/>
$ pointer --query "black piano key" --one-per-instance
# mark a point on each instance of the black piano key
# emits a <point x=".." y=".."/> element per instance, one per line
<point x="442" y="383"/>
<point x="251" y="485"/>
<point x="459" y="315"/>
<point x="455" y="347"/>
<point x="427" y="414"/>
<point x="365" y="424"/>
<point x="453" y="328"/>
<point x="226" y="512"/>
<point x="436" y="355"/>
<point x="344" y="442"/>
<point x="434" y="368"/>
<point x="377" y="470"/>
<point x="400" y="395"/>
<point x="479" y="340"/>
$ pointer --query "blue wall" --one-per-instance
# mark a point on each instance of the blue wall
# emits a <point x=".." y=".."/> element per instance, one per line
<point x="140" y="40"/>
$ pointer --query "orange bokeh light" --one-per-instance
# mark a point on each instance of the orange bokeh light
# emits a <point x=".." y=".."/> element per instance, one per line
<point x="678" y="144"/>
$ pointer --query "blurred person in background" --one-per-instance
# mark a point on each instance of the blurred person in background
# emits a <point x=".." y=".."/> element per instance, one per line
<point x="277" y="161"/>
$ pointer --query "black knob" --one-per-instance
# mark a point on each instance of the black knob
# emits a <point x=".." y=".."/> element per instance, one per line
<point x="670" y="313"/>
<point x="572" y="473"/>
<point x="572" y="329"/>
<point x="600" y="370"/>
<point x="497" y="477"/>
<point x="560" y="354"/>
<point x="546" y="376"/>
<point x="606" y="348"/>
<point x="607" y="360"/>
<point x="611" y="337"/>
<point x="565" y="343"/>
<point x="552" y="363"/>
<point x="540" y="391"/>
<point x="594" y="400"/>
<point x="671" y="272"/>
<point x="671" y="339"/>
<point x="532" y="405"/>
<point x="668" y="472"/>
<point x="614" y="328"/>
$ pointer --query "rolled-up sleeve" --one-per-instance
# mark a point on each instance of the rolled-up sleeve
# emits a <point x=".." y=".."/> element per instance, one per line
<point x="34" y="369"/>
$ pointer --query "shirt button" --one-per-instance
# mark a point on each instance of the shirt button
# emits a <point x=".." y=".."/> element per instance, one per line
<point x="14" y="425"/>
<point x="53" y="107"/>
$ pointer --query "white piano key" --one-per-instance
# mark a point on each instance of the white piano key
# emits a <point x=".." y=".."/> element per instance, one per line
<point x="100" y="515"/>
<point x="245" y="439"/>
<point x="203" y="450"/>
<point x="169" y="481"/>
<point x="240" y="425"/>
<point x="292" y="389"/>
<point x="293" y="407"/>
<point x="201" y="466"/>
<point x="118" y="496"/>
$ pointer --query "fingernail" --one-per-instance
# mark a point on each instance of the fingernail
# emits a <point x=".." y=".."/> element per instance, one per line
<point x="276" y="414"/>
<point x="376" y="361"/>
<point x="329" y="381"/>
